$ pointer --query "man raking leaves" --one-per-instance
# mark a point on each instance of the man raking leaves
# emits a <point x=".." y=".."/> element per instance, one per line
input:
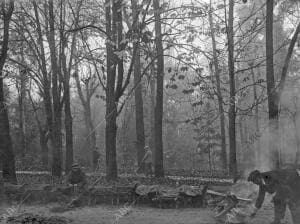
<point x="147" y="162"/>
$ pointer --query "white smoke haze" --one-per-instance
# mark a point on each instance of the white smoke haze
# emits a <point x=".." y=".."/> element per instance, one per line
<point x="287" y="140"/>
<point x="262" y="160"/>
<point x="288" y="135"/>
<point x="289" y="124"/>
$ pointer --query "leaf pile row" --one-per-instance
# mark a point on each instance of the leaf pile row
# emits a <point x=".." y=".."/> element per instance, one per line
<point x="37" y="219"/>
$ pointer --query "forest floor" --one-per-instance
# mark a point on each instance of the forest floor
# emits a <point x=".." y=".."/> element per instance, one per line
<point x="143" y="215"/>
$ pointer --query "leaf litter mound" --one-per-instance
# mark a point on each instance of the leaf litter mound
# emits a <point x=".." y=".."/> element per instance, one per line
<point x="29" y="218"/>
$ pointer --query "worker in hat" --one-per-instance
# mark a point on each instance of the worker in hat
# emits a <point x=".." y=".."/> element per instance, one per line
<point x="147" y="160"/>
<point x="285" y="183"/>
<point x="76" y="176"/>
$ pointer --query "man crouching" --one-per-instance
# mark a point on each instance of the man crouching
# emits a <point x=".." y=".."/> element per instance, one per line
<point x="285" y="183"/>
<point x="77" y="177"/>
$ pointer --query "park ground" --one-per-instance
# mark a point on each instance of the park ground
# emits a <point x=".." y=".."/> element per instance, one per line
<point x="144" y="215"/>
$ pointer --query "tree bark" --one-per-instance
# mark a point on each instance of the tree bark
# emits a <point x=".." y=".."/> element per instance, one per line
<point x="22" y="126"/>
<point x="159" y="169"/>
<point x="152" y="109"/>
<point x="56" y="135"/>
<point x="66" y="84"/>
<point x="2" y="192"/>
<point x="219" y="94"/>
<point x="86" y="104"/>
<point x="111" y="107"/>
<point x="43" y="133"/>
<point x="287" y="61"/>
<point x="272" y="96"/>
<point x="68" y="125"/>
<point x="232" y="113"/>
<point x="256" y="116"/>
<point x="115" y="85"/>
<point x="296" y="138"/>
<point x="6" y="149"/>
<point x="139" y="110"/>
<point x="46" y="93"/>
<point x="44" y="146"/>
<point x="91" y="133"/>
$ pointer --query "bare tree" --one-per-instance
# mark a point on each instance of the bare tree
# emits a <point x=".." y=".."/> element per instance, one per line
<point x="272" y="105"/>
<point x="66" y="68"/>
<point x="111" y="107"/>
<point x="56" y="134"/>
<point x="139" y="110"/>
<point x="90" y="85"/>
<point x="21" y="88"/>
<point x="219" y="93"/>
<point x="159" y="169"/>
<point x="43" y="132"/>
<point x="6" y="149"/>
<point x="232" y="112"/>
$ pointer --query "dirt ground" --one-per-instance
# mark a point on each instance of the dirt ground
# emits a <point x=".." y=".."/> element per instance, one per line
<point x="144" y="215"/>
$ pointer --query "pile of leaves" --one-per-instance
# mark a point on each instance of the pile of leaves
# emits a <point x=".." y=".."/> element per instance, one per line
<point x="37" y="219"/>
<point x="36" y="177"/>
<point x="128" y="179"/>
<point x="168" y="181"/>
<point x="231" y="210"/>
<point x="30" y="163"/>
<point x="220" y="173"/>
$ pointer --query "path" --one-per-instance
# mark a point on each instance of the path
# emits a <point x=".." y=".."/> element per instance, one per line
<point x="144" y="215"/>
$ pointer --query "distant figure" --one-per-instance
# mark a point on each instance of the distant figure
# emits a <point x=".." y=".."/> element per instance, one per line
<point x="147" y="160"/>
<point x="285" y="183"/>
<point x="77" y="177"/>
<point x="96" y="157"/>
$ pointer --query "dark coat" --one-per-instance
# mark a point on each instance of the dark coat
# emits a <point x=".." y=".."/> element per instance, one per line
<point x="284" y="182"/>
<point x="76" y="177"/>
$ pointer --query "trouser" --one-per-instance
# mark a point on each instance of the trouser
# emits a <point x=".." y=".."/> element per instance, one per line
<point x="148" y="169"/>
<point x="280" y="207"/>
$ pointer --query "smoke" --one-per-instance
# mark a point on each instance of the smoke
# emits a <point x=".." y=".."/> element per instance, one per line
<point x="269" y="140"/>
<point x="285" y="140"/>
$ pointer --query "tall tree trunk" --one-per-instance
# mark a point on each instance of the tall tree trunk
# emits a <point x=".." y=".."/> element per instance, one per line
<point x="68" y="126"/>
<point x="91" y="133"/>
<point x="6" y="149"/>
<point x="56" y="135"/>
<point x="44" y="146"/>
<point x="272" y="95"/>
<point x="256" y="116"/>
<point x="159" y="168"/>
<point x="22" y="126"/>
<point x="46" y="93"/>
<point x="247" y="156"/>
<point x="232" y="112"/>
<point x="67" y="74"/>
<point x="2" y="192"/>
<point x="93" y="144"/>
<point x="43" y="133"/>
<point x="66" y="85"/>
<point x="220" y="98"/>
<point x="89" y="126"/>
<point x="139" y="110"/>
<point x="111" y="107"/>
<point x="297" y="139"/>
<point x="152" y="109"/>
<point x="49" y="120"/>
<point x="255" y="100"/>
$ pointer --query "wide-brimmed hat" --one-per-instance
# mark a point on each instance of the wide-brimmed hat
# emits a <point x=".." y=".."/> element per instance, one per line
<point x="146" y="147"/>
